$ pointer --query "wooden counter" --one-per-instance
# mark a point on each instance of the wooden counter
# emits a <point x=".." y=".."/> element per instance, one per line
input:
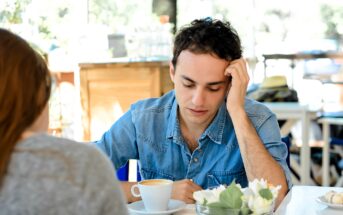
<point x="109" y="88"/>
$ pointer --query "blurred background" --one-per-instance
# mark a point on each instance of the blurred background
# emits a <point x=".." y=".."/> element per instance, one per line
<point x="69" y="32"/>
<point x="87" y="41"/>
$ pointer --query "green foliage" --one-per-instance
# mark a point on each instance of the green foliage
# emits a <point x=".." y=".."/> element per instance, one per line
<point x="217" y="205"/>
<point x="117" y="14"/>
<point x="110" y="11"/>
<point x="223" y="211"/>
<point x="266" y="194"/>
<point x="205" y="202"/>
<point x="12" y="11"/>
<point x="245" y="210"/>
<point x="230" y="202"/>
<point x="43" y="27"/>
<point x="232" y="196"/>
<point x="62" y="12"/>
<point x="282" y="16"/>
<point x="332" y="16"/>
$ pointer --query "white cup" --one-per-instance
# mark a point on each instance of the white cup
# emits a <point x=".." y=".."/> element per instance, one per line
<point x="155" y="193"/>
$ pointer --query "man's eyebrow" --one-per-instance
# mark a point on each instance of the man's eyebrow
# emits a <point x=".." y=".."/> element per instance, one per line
<point x="188" y="79"/>
<point x="216" y="83"/>
<point x="210" y="83"/>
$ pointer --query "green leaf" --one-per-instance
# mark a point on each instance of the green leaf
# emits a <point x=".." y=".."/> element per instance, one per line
<point x="245" y="211"/>
<point x="221" y="211"/>
<point x="216" y="205"/>
<point x="205" y="202"/>
<point x="266" y="194"/>
<point x="218" y="208"/>
<point x="231" y="197"/>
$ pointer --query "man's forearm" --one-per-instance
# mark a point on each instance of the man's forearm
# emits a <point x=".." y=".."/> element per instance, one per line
<point x="257" y="161"/>
<point x="126" y="186"/>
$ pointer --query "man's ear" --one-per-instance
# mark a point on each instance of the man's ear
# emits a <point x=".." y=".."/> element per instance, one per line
<point x="171" y="71"/>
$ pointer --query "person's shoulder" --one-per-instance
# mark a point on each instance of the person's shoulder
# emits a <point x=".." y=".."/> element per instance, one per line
<point x="80" y="149"/>
<point x="69" y="148"/>
<point x="85" y="156"/>
<point x="155" y="104"/>
<point x="66" y="158"/>
<point x="75" y="169"/>
<point x="255" y="108"/>
<point x="48" y="141"/>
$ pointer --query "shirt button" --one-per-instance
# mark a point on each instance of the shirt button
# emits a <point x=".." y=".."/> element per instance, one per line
<point x="200" y="150"/>
<point x="195" y="160"/>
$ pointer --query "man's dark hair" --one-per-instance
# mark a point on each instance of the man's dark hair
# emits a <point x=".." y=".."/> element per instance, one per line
<point x="208" y="36"/>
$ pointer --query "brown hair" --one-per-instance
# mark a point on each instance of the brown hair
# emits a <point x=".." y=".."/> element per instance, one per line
<point x="208" y="36"/>
<point x="25" y="85"/>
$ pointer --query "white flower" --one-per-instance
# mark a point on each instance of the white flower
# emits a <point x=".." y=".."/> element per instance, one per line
<point x="275" y="190"/>
<point x="260" y="205"/>
<point x="256" y="185"/>
<point x="210" y="195"/>
<point x="251" y="196"/>
<point x="255" y="201"/>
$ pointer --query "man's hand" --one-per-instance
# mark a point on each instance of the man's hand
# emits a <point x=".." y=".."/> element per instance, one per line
<point x="183" y="190"/>
<point x="237" y="71"/>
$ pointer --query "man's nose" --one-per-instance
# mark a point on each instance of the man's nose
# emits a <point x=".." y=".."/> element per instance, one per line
<point x="198" y="97"/>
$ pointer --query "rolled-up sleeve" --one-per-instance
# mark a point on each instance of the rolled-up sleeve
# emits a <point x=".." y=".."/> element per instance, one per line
<point x="119" y="142"/>
<point x="269" y="133"/>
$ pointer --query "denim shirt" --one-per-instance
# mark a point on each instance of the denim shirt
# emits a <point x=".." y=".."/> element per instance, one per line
<point x="150" y="132"/>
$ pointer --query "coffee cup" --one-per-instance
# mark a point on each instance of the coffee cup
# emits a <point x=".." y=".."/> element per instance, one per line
<point x="155" y="193"/>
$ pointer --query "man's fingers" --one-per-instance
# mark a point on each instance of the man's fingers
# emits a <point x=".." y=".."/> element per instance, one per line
<point x="238" y="69"/>
<point x="190" y="200"/>
<point x="184" y="189"/>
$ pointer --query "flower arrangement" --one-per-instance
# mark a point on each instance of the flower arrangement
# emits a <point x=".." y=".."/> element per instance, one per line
<point x="258" y="198"/>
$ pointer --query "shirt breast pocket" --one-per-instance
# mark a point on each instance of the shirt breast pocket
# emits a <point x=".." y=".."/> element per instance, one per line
<point x="155" y="174"/>
<point x="216" y="178"/>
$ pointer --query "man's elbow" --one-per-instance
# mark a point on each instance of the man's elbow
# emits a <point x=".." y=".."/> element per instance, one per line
<point x="282" y="194"/>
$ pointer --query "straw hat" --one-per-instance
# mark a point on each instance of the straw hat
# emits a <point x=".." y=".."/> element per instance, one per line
<point x="274" y="81"/>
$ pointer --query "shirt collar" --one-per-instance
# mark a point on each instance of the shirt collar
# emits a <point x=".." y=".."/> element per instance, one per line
<point x="216" y="129"/>
<point x="173" y="130"/>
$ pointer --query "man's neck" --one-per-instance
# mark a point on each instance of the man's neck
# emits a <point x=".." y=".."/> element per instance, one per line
<point x="191" y="130"/>
<point x="191" y="133"/>
<point x="190" y="138"/>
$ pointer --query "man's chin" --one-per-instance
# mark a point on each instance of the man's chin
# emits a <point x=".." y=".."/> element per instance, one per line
<point x="194" y="118"/>
<point x="198" y="120"/>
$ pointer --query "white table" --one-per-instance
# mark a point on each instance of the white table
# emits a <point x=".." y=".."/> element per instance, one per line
<point x="293" y="112"/>
<point x="326" y="148"/>
<point x="188" y="210"/>
<point x="302" y="200"/>
<point x="299" y="200"/>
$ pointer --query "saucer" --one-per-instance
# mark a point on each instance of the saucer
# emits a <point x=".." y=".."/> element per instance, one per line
<point x="139" y="209"/>
<point x="322" y="200"/>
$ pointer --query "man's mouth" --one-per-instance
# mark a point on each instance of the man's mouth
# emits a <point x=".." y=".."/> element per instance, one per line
<point x="197" y="112"/>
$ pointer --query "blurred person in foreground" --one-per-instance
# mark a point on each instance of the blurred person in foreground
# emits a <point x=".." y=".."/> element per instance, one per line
<point x="204" y="132"/>
<point x="42" y="174"/>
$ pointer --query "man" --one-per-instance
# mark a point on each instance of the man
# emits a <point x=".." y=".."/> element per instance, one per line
<point x="204" y="132"/>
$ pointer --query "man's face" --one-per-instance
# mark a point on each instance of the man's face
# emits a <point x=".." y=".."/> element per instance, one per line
<point x="200" y="87"/>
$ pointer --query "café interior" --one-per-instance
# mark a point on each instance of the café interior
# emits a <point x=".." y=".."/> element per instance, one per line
<point x="105" y="55"/>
